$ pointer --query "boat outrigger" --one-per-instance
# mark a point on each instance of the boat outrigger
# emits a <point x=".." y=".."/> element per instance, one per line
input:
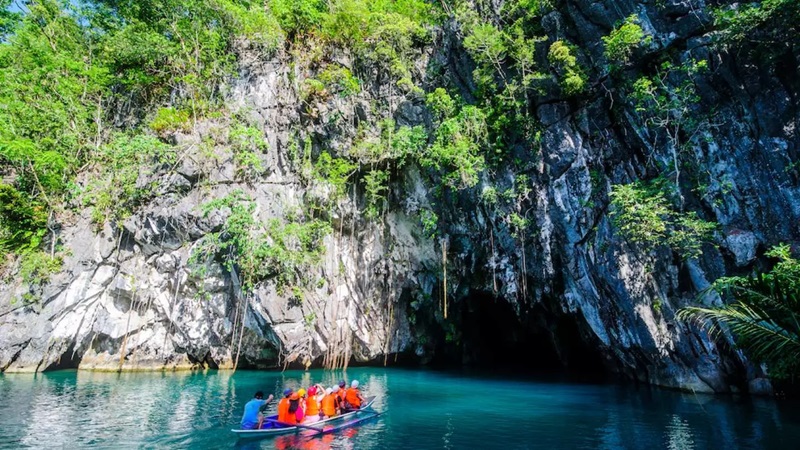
<point x="272" y="427"/>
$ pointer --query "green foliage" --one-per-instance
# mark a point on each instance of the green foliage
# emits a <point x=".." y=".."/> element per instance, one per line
<point x="573" y="80"/>
<point x="393" y="144"/>
<point x="765" y="314"/>
<point x="22" y="221"/>
<point x="376" y="190"/>
<point x="169" y="120"/>
<point x="339" y="80"/>
<point x="430" y="222"/>
<point x="457" y="148"/>
<point x="313" y="90"/>
<point x="36" y="267"/>
<point x="247" y="144"/>
<point x="643" y="214"/>
<point x="489" y="195"/>
<point x="383" y="33"/>
<point x="8" y="19"/>
<point x="113" y="191"/>
<point x="278" y="251"/>
<point x="624" y="39"/>
<point x="517" y="224"/>
<point x="65" y="65"/>
<point x="298" y="16"/>
<point x="334" y="171"/>
<point x="767" y="24"/>
<point x="441" y="104"/>
<point x="667" y="102"/>
<point x="507" y="73"/>
<point x="158" y="45"/>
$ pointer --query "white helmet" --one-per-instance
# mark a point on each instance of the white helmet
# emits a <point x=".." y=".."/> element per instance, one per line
<point x="354" y="384"/>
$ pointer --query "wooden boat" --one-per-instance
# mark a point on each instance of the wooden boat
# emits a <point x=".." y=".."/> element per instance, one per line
<point x="271" y="427"/>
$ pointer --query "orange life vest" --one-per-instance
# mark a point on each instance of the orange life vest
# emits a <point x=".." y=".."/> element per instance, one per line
<point x="312" y="406"/>
<point x="353" y="398"/>
<point x="283" y="410"/>
<point x="329" y="405"/>
<point x="342" y="393"/>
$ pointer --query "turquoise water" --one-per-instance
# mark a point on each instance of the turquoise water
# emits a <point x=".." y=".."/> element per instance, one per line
<point x="423" y="409"/>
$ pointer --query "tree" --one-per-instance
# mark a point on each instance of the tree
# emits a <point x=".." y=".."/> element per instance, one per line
<point x="765" y="315"/>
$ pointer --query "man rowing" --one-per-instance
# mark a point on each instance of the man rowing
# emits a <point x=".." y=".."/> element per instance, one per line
<point x="254" y="411"/>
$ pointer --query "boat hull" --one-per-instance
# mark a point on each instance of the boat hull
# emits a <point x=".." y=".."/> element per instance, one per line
<point x="275" y="429"/>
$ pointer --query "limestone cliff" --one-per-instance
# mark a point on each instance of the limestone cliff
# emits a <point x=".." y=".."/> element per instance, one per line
<point x="130" y="298"/>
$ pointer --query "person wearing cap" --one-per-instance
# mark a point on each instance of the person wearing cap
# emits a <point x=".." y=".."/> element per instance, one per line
<point x="253" y="411"/>
<point x="295" y="413"/>
<point x="303" y="394"/>
<point x="312" y="406"/>
<point x="330" y="403"/>
<point x="283" y="406"/>
<point x="353" y="398"/>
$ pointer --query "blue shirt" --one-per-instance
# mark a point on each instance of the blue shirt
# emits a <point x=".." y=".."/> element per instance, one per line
<point x="250" y="417"/>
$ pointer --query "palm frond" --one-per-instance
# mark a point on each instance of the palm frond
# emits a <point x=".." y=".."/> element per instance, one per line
<point x="756" y="332"/>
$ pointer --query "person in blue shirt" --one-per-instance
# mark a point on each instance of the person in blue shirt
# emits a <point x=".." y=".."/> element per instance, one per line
<point x="253" y="417"/>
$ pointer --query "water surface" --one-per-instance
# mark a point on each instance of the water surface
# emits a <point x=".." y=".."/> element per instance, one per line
<point x="423" y="409"/>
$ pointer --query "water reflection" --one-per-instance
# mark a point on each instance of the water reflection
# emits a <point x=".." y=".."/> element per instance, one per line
<point x="423" y="409"/>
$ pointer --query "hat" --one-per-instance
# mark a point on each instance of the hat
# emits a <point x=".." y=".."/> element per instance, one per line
<point x="354" y="384"/>
<point x="342" y="383"/>
<point x="329" y="391"/>
<point x="294" y="396"/>
<point x="336" y="389"/>
<point x="312" y="390"/>
<point x="287" y="392"/>
<point x="301" y="392"/>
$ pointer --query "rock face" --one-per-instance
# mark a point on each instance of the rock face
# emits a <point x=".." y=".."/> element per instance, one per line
<point x="130" y="298"/>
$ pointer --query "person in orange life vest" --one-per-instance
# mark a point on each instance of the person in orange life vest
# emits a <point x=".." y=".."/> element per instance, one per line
<point x="330" y="403"/>
<point x="342" y="391"/>
<point x="295" y="415"/>
<point x="353" y="398"/>
<point x="283" y="406"/>
<point x="312" y="406"/>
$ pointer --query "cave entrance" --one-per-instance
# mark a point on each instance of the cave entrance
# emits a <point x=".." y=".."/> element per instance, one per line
<point x="493" y="335"/>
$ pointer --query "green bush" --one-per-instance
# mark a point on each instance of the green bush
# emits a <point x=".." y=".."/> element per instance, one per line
<point x="312" y="90"/>
<point x="624" y="39"/>
<point x="457" y="148"/>
<point x="440" y="103"/>
<point x="643" y="214"/>
<point x="22" y="221"/>
<point x="340" y="80"/>
<point x="574" y="79"/>
<point x="247" y="144"/>
<point x="113" y="192"/>
<point x="170" y="120"/>
<point x="334" y="171"/>
<point x="279" y="251"/>
<point x="376" y="189"/>
<point x="299" y="16"/>
<point x="36" y="267"/>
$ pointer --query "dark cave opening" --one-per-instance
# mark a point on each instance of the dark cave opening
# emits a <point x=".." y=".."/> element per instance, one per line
<point x="492" y="335"/>
<point x="68" y="360"/>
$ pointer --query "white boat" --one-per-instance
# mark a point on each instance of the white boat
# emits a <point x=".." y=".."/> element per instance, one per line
<point x="271" y="427"/>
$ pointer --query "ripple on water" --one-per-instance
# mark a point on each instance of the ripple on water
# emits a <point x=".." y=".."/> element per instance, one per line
<point x="422" y="409"/>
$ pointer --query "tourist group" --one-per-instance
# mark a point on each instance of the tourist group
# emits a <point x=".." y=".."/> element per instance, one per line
<point x="306" y="406"/>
